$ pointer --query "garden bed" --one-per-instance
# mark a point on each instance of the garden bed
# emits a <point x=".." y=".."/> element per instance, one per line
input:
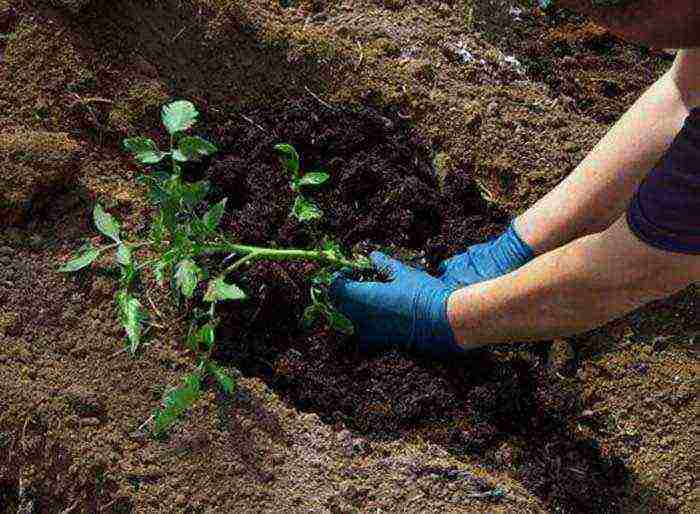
<point x="428" y="152"/>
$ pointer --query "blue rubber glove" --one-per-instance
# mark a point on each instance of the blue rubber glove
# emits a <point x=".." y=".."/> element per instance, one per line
<point x="485" y="261"/>
<point x="409" y="311"/>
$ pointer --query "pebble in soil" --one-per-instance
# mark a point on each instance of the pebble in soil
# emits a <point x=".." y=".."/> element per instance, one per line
<point x="383" y="194"/>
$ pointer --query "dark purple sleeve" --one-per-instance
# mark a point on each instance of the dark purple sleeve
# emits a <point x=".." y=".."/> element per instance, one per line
<point x="665" y="212"/>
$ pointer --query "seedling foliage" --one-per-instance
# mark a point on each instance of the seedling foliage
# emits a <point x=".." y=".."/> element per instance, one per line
<point x="181" y="248"/>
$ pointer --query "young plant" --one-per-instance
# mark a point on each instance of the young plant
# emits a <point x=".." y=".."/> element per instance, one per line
<point x="303" y="209"/>
<point x="184" y="236"/>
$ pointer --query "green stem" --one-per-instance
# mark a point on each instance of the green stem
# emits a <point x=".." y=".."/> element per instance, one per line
<point x="240" y="262"/>
<point x="256" y="253"/>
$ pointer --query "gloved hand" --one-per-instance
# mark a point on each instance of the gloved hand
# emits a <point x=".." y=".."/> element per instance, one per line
<point x="485" y="261"/>
<point x="409" y="311"/>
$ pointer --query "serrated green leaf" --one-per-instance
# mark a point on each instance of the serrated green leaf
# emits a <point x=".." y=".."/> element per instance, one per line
<point x="132" y="315"/>
<point x="144" y="150"/>
<point x="176" y="403"/>
<point x="339" y="322"/>
<point x="187" y="277"/>
<point x="179" y="116"/>
<point x="219" y="290"/>
<point x="106" y="223"/>
<point x="288" y="157"/>
<point x="314" y="179"/>
<point x="124" y="255"/>
<point x="226" y="382"/>
<point x="213" y="216"/>
<point x="306" y="210"/>
<point x="81" y="261"/>
<point x="192" y="148"/>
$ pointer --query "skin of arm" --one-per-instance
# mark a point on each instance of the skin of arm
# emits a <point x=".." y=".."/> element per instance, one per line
<point x="577" y="287"/>
<point x="603" y="270"/>
<point x="597" y="192"/>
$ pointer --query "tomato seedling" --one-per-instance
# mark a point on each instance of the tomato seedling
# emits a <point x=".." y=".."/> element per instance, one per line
<point x="184" y="234"/>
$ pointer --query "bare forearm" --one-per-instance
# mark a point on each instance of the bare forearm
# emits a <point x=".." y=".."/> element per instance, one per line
<point x="598" y="191"/>
<point x="575" y="288"/>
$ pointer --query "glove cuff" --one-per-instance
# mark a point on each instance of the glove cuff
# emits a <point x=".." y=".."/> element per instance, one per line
<point x="433" y="336"/>
<point x="512" y="252"/>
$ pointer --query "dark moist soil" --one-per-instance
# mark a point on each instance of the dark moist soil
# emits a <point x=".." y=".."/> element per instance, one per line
<point x="383" y="192"/>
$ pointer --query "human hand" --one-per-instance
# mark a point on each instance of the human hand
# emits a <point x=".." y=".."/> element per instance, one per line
<point x="409" y="311"/>
<point x="485" y="261"/>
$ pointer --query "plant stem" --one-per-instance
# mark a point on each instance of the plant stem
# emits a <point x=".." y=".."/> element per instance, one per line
<point x="240" y="262"/>
<point x="256" y="253"/>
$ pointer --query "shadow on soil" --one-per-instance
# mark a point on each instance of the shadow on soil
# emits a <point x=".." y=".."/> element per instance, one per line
<point x="224" y="58"/>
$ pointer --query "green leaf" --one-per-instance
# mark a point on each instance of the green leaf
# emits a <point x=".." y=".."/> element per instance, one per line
<point x="364" y="262"/>
<point x="305" y="210"/>
<point x="192" y="148"/>
<point x="187" y="277"/>
<point x="213" y="216"/>
<point x="339" y="322"/>
<point x="333" y="248"/>
<point x="208" y="335"/>
<point x="311" y="314"/>
<point x="176" y="403"/>
<point x="124" y="255"/>
<point x="314" y="179"/>
<point x="83" y="261"/>
<point x="144" y="150"/>
<point x="105" y="223"/>
<point x="288" y="157"/>
<point x="132" y="315"/>
<point x="219" y="290"/>
<point x="205" y="335"/>
<point x="195" y="192"/>
<point x="179" y="116"/>
<point x="228" y="385"/>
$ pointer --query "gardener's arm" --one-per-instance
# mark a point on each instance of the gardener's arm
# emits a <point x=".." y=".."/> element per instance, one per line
<point x="594" y="195"/>
<point x="650" y="253"/>
<point x="572" y="289"/>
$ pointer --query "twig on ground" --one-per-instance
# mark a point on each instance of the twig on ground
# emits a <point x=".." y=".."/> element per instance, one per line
<point x="143" y="425"/>
<point x="155" y="309"/>
<point x="179" y="33"/>
<point x="319" y="100"/>
<point x="252" y="122"/>
<point x="92" y="100"/>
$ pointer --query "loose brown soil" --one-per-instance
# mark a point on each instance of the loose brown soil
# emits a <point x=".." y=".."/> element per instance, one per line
<point x="427" y="154"/>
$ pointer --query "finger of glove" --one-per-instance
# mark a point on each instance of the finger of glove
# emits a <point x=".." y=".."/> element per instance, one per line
<point x="344" y="292"/>
<point x="386" y="264"/>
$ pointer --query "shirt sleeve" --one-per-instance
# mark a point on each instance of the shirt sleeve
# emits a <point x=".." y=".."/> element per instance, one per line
<point x="665" y="211"/>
